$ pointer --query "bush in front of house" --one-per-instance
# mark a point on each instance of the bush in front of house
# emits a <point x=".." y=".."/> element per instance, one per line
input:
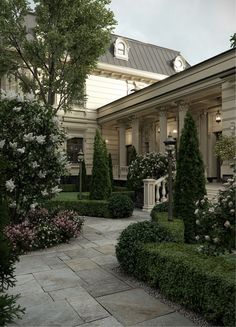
<point x="190" y="178"/>
<point x="132" y="239"/>
<point x="150" y="165"/>
<point x="120" y="206"/>
<point x="199" y="282"/>
<point x="43" y="232"/>
<point x="215" y="221"/>
<point x="161" y="207"/>
<point x="92" y="208"/>
<point x="30" y="141"/>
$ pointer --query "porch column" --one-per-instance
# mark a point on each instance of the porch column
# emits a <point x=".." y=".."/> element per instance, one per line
<point x="163" y="129"/>
<point x="135" y="133"/>
<point x="182" y="108"/>
<point x="152" y="137"/>
<point x="228" y="106"/>
<point x="122" y="147"/>
<point x="203" y="122"/>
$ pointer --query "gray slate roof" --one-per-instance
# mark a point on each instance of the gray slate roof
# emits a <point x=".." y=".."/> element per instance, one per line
<point x="143" y="56"/>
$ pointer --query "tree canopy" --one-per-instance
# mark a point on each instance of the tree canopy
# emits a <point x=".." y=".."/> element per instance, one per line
<point x="51" y="51"/>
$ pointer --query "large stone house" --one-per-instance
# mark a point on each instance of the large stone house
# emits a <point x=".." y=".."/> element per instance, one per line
<point x="139" y="93"/>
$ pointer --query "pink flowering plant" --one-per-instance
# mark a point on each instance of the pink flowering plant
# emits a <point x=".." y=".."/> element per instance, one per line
<point x="42" y="230"/>
<point x="150" y="165"/>
<point x="215" y="222"/>
<point x="30" y="141"/>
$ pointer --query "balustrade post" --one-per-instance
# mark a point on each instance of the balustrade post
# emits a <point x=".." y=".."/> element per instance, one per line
<point x="149" y="194"/>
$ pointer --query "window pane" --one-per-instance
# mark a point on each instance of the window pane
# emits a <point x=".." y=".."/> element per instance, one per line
<point x="73" y="147"/>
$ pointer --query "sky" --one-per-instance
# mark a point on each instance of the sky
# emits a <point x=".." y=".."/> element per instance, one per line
<point x="199" y="29"/>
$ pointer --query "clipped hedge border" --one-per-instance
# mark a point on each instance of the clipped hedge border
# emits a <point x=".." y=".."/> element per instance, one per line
<point x="93" y="208"/>
<point x="202" y="283"/>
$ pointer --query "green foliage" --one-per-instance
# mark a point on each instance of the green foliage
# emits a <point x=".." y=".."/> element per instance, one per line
<point x="215" y="222"/>
<point x="132" y="239"/>
<point x="120" y="206"/>
<point x="149" y="165"/>
<point x="130" y="194"/>
<point x="110" y="170"/>
<point x="233" y="41"/>
<point x="161" y="207"/>
<point x="85" y="185"/>
<point x="92" y="208"/>
<point x="175" y="227"/>
<point x="225" y="147"/>
<point x="190" y="179"/>
<point x="30" y="143"/>
<point x="100" y="188"/>
<point x="201" y="283"/>
<point x="60" y="51"/>
<point x="69" y="188"/>
<point x="133" y="154"/>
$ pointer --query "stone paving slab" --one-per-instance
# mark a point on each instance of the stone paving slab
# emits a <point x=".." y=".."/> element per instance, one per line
<point x="106" y="249"/>
<point x="172" y="319"/>
<point x="133" y="306"/>
<point x="50" y="314"/>
<point x="107" y="322"/>
<point x="26" y="284"/>
<point x="104" y="259"/>
<point x="105" y="287"/>
<point x="32" y="299"/>
<point x="82" y="253"/>
<point x="81" y="264"/>
<point x="57" y="279"/>
<point x="94" y="275"/>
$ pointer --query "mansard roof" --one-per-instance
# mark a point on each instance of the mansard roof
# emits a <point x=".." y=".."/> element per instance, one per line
<point x="143" y="56"/>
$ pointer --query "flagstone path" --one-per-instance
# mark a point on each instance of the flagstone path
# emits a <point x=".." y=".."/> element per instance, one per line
<point x="76" y="284"/>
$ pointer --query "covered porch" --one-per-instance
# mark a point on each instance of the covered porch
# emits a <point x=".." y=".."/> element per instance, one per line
<point x="145" y="118"/>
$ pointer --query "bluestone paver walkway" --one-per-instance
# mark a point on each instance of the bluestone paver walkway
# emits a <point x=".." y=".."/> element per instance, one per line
<point x="75" y="284"/>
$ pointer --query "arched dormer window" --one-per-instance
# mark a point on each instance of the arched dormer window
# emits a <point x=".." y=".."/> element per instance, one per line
<point x="121" y="49"/>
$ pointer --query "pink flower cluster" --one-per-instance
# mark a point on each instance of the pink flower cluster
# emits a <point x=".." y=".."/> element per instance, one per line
<point x="21" y="236"/>
<point x="68" y="223"/>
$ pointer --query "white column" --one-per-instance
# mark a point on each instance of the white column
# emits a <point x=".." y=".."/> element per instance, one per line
<point x="152" y="137"/>
<point x="135" y="133"/>
<point x="183" y="108"/>
<point x="163" y="129"/>
<point x="149" y="194"/>
<point x="122" y="147"/>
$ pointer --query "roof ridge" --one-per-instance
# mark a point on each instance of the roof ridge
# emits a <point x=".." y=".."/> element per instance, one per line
<point x="145" y="43"/>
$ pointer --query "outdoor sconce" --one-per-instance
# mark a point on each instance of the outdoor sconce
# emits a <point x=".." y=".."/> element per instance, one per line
<point x="80" y="161"/>
<point x="218" y="117"/>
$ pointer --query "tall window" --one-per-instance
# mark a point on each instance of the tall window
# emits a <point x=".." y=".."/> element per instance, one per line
<point x="74" y="145"/>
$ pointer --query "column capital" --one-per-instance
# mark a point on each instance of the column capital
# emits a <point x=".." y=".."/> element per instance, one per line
<point x="182" y="105"/>
<point x="162" y="112"/>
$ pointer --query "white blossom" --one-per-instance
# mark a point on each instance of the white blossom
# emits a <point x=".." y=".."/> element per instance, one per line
<point x="197" y="237"/>
<point x="227" y="224"/>
<point x="54" y="138"/>
<point x="196" y="211"/>
<point x="2" y="143"/>
<point x="28" y="137"/>
<point x="216" y="240"/>
<point x="21" y="150"/>
<point x="232" y="210"/>
<point x="41" y="174"/>
<point x="17" y="109"/>
<point x="211" y="210"/>
<point x="56" y="120"/>
<point x="197" y="222"/>
<point x="35" y="164"/>
<point x="33" y="206"/>
<point x="10" y="185"/>
<point x="207" y="237"/>
<point x="12" y="204"/>
<point x="55" y="190"/>
<point x="40" y="139"/>
<point x="44" y="193"/>
<point x="13" y="145"/>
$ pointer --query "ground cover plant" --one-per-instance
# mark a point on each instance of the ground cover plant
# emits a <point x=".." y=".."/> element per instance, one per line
<point x="40" y="229"/>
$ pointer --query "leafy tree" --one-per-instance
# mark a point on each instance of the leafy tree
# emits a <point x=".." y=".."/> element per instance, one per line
<point x="190" y="179"/>
<point x="110" y="170"/>
<point x="59" y="50"/>
<point x="233" y="41"/>
<point x="100" y="182"/>
<point x="30" y="141"/>
<point x="225" y="147"/>
<point x="8" y="307"/>
<point x="133" y="154"/>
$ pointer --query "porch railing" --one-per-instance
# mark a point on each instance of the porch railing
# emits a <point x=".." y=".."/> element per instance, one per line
<point x="154" y="192"/>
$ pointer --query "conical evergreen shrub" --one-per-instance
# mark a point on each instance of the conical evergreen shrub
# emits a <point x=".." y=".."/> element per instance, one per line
<point x="110" y="170"/>
<point x="190" y="179"/>
<point x="100" y="188"/>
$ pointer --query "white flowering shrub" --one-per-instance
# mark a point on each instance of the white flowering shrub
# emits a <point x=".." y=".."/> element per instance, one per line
<point x="150" y="165"/>
<point x="215" y="221"/>
<point x="30" y="140"/>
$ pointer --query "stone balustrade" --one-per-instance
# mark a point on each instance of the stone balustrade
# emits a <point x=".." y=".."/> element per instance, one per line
<point x="154" y="192"/>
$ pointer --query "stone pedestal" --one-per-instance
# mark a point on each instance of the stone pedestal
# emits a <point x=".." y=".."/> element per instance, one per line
<point x="149" y="194"/>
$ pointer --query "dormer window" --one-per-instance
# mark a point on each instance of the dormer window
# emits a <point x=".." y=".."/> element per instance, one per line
<point x="121" y="49"/>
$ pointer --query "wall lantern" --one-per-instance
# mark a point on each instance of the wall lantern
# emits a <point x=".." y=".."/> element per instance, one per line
<point x="218" y="117"/>
<point x="80" y="161"/>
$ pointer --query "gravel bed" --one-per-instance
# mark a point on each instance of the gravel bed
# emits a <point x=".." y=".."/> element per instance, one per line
<point x="194" y="317"/>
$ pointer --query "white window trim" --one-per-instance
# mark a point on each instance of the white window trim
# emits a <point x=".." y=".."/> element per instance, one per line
<point x="118" y="55"/>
